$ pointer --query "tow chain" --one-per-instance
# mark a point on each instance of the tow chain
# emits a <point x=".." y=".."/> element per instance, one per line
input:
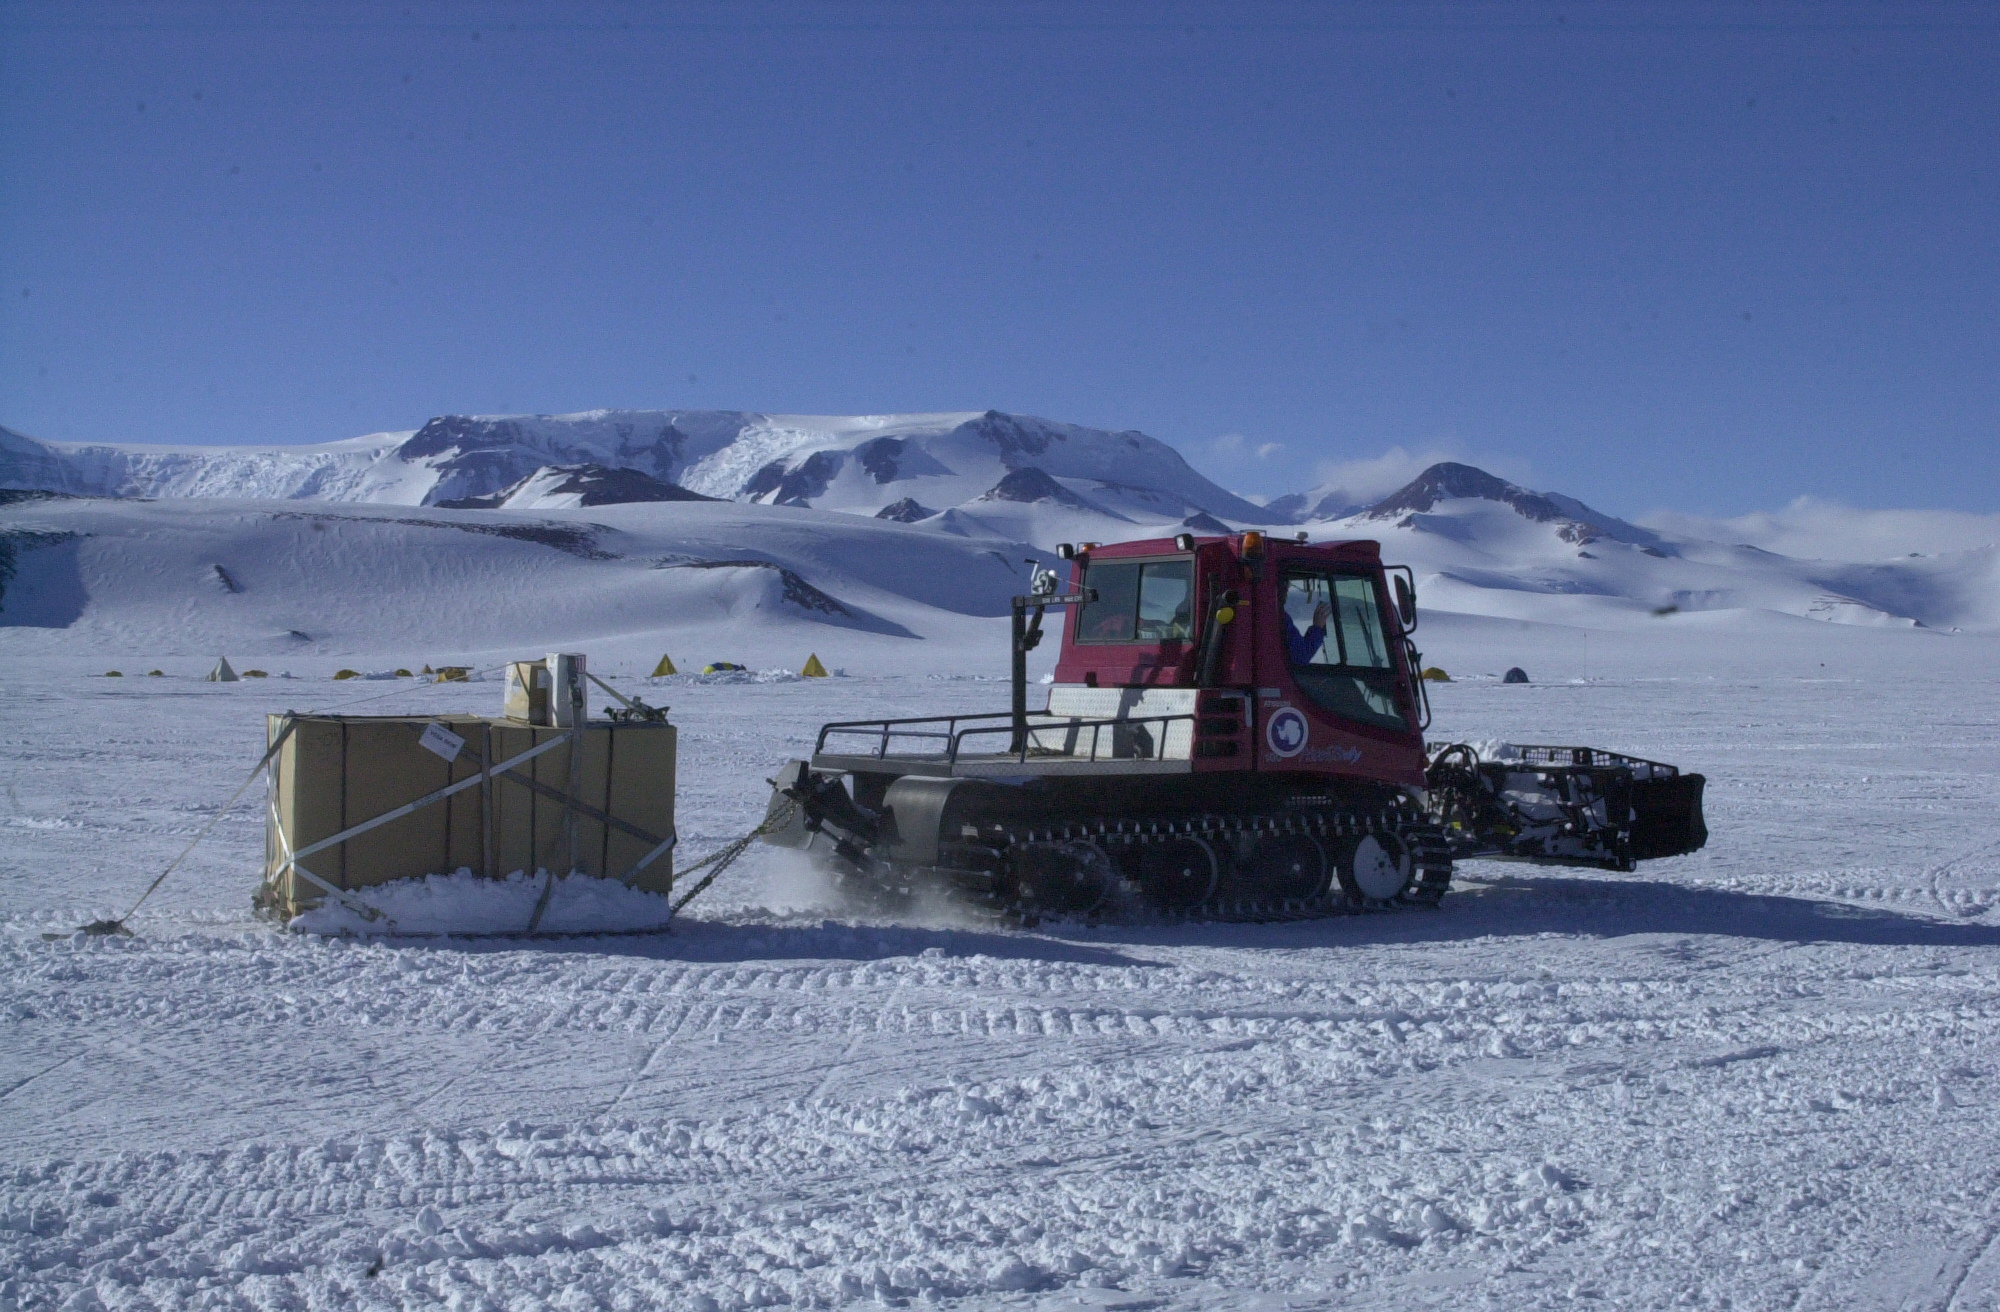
<point x="723" y="856"/>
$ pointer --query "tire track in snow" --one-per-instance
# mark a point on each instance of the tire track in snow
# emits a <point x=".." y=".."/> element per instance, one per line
<point x="26" y="1080"/>
<point x="1973" y="1262"/>
<point x="1936" y="874"/>
<point x="646" y="1067"/>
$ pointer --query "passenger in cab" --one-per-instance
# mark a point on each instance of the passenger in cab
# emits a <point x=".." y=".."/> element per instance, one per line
<point x="1304" y="646"/>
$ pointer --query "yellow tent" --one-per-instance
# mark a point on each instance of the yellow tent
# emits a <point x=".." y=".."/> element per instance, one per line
<point x="813" y="669"/>
<point x="1436" y="675"/>
<point x="665" y="667"/>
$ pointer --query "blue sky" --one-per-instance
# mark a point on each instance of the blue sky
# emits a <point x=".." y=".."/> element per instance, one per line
<point x="1701" y="256"/>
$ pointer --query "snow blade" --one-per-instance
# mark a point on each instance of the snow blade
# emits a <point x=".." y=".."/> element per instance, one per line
<point x="1565" y="806"/>
<point x="1666" y="816"/>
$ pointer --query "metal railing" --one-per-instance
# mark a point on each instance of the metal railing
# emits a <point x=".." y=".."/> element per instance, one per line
<point x="1127" y="739"/>
<point x="1539" y="754"/>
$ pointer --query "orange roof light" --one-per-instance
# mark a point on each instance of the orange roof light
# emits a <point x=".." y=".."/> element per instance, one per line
<point x="1253" y="544"/>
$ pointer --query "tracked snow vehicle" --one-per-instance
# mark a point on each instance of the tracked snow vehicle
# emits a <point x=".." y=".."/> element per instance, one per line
<point x="1235" y="730"/>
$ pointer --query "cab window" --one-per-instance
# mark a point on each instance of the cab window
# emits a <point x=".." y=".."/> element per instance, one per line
<point x="1337" y="647"/>
<point x="1138" y="601"/>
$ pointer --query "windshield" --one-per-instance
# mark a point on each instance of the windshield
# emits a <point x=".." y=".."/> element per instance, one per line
<point x="1338" y="650"/>
<point x="1139" y="601"/>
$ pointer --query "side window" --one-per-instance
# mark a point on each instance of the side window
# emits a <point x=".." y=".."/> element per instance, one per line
<point x="1166" y="601"/>
<point x="1150" y="601"/>
<point x="1112" y="617"/>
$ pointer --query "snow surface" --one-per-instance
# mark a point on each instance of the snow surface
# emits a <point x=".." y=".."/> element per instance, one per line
<point x="463" y="904"/>
<point x="311" y="588"/>
<point x="1762" y="1076"/>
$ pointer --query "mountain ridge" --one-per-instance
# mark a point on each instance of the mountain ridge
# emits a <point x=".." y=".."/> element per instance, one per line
<point x="861" y="463"/>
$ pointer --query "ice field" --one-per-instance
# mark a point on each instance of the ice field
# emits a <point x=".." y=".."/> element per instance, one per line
<point x="1763" y="1076"/>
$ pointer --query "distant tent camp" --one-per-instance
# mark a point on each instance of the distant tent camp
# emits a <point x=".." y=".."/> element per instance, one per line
<point x="813" y="669"/>
<point x="665" y="667"/>
<point x="221" y="673"/>
<point x="1515" y="675"/>
<point x="1436" y="675"/>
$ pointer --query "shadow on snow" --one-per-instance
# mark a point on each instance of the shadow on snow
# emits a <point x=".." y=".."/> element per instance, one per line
<point x="1500" y="907"/>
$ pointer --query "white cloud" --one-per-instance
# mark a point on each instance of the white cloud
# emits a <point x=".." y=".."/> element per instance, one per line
<point x="1809" y="528"/>
<point x="1230" y="444"/>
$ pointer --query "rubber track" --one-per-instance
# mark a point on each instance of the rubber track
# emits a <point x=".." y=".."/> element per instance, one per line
<point x="1429" y="852"/>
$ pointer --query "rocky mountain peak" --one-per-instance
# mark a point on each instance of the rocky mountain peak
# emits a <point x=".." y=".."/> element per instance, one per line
<point x="576" y="485"/>
<point x="1030" y="484"/>
<point x="1449" y="480"/>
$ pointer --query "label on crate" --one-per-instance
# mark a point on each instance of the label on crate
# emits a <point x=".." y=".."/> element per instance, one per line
<point x="441" y="741"/>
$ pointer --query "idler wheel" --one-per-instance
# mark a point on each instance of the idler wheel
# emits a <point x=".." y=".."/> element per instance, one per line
<point x="1283" y="868"/>
<point x="1180" y="872"/>
<point x="1061" y="878"/>
<point x="1375" y="869"/>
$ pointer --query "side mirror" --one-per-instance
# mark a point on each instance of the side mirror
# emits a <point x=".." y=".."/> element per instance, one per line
<point x="1406" y="602"/>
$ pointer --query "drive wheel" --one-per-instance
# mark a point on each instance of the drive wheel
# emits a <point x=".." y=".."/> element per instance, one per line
<point x="1375" y="869"/>
<point x="1179" y="873"/>
<point x="1283" y="868"/>
<point x="1055" y="879"/>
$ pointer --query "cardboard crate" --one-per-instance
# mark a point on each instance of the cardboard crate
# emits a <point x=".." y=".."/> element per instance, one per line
<point x="335" y="772"/>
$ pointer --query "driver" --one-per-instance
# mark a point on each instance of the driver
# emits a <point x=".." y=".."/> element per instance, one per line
<point x="1304" y="646"/>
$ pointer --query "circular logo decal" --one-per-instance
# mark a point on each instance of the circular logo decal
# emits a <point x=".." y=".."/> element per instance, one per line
<point x="1285" y="734"/>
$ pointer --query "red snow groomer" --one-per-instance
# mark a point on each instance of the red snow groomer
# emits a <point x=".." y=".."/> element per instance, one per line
<point x="1236" y="731"/>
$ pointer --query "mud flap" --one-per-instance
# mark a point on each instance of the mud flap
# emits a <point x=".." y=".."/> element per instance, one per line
<point x="917" y="803"/>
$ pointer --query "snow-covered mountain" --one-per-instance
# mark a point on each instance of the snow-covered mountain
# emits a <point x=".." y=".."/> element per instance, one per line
<point x="1485" y="546"/>
<point x="852" y="463"/>
<point x="300" y="583"/>
<point x="939" y="513"/>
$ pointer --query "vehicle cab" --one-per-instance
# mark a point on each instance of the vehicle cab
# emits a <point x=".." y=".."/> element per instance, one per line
<point x="1290" y="656"/>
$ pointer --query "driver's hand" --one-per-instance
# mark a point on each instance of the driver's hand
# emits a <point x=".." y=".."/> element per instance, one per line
<point x="1320" y="614"/>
